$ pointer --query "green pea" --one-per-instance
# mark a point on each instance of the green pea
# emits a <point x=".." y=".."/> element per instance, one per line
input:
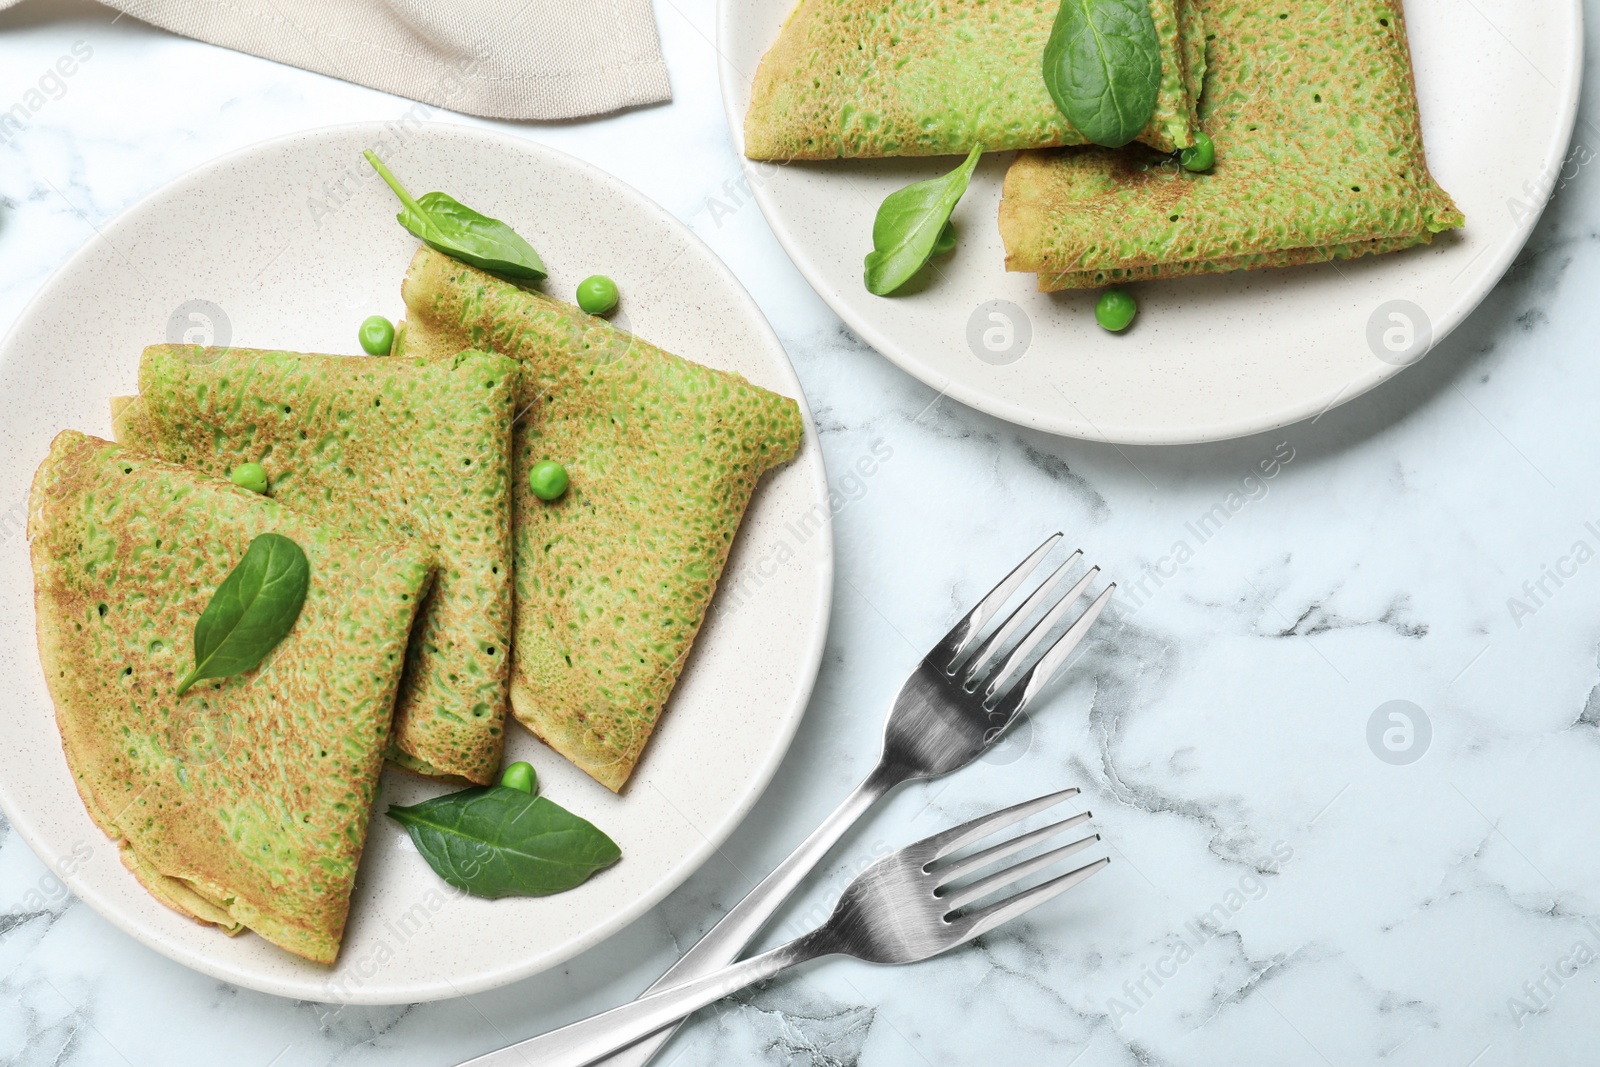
<point x="1200" y="156"/>
<point x="597" y="294"/>
<point x="548" y="479"/>
<point x="520" y="776"/>
<point x="377" y="336"/>
<point x="1115" y="309"/>
<point x="251" y="476"/>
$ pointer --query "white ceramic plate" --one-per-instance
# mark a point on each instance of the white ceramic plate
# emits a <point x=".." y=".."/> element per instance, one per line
<point x="1215" y="357"/>
<point x="291" y="244"/>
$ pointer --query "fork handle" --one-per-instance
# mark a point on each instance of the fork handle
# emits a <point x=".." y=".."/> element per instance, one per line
<point x="726" y="940"/>
<point x="592" y="1039"/>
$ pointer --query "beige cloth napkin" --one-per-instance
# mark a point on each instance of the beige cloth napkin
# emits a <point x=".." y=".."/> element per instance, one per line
<point x="504" y="59"/>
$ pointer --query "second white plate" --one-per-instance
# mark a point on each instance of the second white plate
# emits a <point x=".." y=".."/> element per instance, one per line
<point x="1214" y="357"/>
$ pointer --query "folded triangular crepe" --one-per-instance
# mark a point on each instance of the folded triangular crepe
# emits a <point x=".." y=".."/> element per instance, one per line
<point x="859" y="78"/>
<point x="243" y="802"/>
<point x="388" y="448"/>
<point x="612" y="579"/>
<point x="1319" y="156"/>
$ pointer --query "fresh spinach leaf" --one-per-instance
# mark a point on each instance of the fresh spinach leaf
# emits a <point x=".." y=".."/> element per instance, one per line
<point x="913" y="225"/>
<point x="1102" y="66"/>
<point x="449" y="226"/>
<point x="252" y="610"/>
<point x="496" y="841"/>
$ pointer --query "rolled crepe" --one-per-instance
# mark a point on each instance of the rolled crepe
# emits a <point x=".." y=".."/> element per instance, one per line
<point x="1319" y="156"/>
<point x="244" y="802"/>
<point x="860" y="78"/>
<point x="388" y="448"/>
<point x="614" y="577"/>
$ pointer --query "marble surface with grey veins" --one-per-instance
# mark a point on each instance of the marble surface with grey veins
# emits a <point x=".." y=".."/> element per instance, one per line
<point x="1305" y="871"/>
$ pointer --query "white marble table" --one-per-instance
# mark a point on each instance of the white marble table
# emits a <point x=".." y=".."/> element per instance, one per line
<point x="1280" y="893"/>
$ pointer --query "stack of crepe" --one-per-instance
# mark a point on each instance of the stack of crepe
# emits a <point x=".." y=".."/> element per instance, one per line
<point x="1311" y="106"/>
<point x="441" y="590"/>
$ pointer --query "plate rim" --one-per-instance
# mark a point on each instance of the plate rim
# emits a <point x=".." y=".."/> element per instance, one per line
<point x="734" y="94"/>
<point x="809" y="664"/>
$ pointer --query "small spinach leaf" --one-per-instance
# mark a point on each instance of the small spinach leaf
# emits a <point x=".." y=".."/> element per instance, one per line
<point x="449" y="226"/>
<point x="496" y="841"/>
<point x="913" y="225"/>
<point x="252" y="610"/>
<point x="1102" y="66"/>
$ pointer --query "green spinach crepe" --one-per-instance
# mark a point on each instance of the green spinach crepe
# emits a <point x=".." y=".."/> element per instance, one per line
<point x="861" y="78"/>
<point x="614" y="577"/>
<point x="244" y="802"/>
<point x="1319" y="156"/>
<point x="391" y="448"/>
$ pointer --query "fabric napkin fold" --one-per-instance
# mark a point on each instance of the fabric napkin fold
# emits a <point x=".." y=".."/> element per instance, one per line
<point x="503" y="59"/>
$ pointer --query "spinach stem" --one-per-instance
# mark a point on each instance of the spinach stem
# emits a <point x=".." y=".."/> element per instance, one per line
<point x="394" y="183"/>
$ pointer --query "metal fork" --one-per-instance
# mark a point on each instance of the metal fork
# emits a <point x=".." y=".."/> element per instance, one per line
<point x="900" y="910"/>
<point x="946" y="716"/>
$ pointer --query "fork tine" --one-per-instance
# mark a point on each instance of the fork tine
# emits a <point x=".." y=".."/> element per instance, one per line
<point x="960" y="898"/>
<point x="942" y="844"/>
<point x="978" y="860"/>
<point x="962" y="634"/>
<point x="986" y="919"/>
<point x="1022" y="693"/>
<point x="988" y="650"/>
<point x="1025" y="647"/>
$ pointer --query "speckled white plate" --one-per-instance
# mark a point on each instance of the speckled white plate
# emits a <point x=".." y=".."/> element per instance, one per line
<point x="291" y="244"/>
<point x="1208" y="358"/>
